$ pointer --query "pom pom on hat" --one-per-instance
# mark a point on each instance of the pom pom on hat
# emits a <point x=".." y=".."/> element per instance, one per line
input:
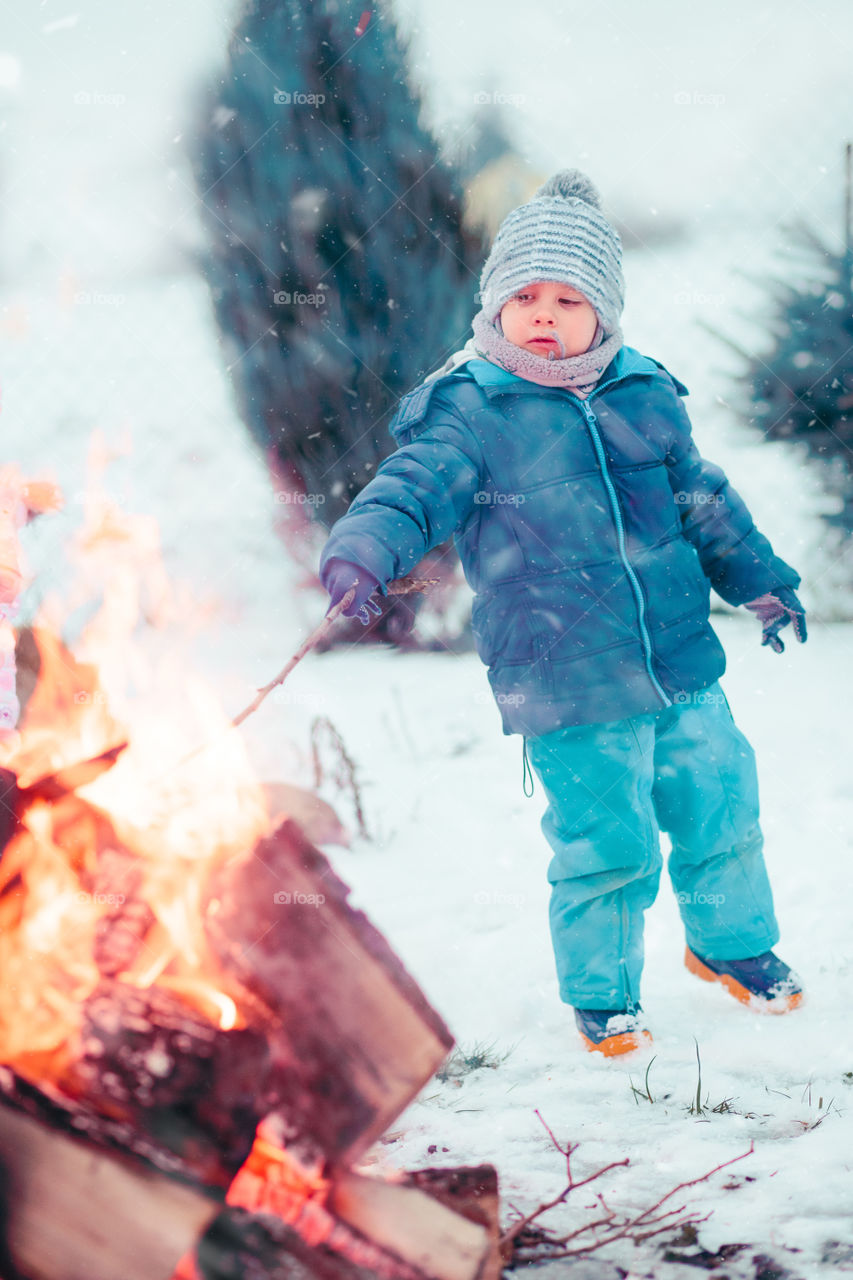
<point x="562" y="235"/>
<point x="570" y="184"/>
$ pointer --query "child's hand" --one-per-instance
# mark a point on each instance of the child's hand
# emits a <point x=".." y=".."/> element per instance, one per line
<point x="338" y="576"/>
<point x="775" y="610"/>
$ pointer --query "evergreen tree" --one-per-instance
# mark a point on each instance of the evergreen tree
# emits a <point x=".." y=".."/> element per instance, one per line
<point x="338" y="263"/>
<point x="801" y="387"/>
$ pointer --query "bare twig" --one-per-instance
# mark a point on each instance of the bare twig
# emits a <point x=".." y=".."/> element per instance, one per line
<point x="345" y="776"/>
<point x="567" y="1151"/>
<point x="526" y="1242"/>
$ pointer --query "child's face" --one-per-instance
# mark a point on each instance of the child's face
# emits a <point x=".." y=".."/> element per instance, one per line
<point x="544" y="316"/>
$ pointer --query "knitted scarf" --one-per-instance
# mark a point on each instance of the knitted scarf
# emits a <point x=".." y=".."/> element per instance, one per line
<point x="579" y="374"/>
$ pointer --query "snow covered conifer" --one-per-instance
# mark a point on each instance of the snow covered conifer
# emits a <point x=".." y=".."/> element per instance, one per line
<point x="339" y="267"/>
<point x="800" y="387"/>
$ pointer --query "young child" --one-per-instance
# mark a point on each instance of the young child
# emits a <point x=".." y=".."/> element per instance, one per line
<point x="591" y="531"/>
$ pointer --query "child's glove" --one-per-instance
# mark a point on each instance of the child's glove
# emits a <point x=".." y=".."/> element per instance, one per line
<point x="338" y="576"/>
<point x="775" y="610"/>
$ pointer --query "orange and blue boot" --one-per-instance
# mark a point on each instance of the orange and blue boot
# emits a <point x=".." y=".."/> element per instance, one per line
<point x="612" y="1031"/>
<point x="764" y="982"/>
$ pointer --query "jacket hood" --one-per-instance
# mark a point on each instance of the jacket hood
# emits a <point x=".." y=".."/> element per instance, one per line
<point x="491" y="378"/>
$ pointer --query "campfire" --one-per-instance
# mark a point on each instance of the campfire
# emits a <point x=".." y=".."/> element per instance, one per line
<point x="200" y="1040"/>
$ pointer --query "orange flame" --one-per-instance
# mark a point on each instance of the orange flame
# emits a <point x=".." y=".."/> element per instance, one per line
<point x="174" y="824"/>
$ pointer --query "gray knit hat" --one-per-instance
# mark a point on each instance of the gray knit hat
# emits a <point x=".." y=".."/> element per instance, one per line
<point x="560" y="235"/>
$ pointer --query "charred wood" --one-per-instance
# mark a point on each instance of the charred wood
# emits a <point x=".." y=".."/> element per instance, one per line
<point x="358" y="1039"/>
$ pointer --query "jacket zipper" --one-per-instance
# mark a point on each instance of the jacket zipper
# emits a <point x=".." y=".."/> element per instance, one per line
<point x="620" y="530"/>
<point x="647" y="646"/>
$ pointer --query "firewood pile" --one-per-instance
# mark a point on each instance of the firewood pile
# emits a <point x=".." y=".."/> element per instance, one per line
<point x="202" y="1113"/>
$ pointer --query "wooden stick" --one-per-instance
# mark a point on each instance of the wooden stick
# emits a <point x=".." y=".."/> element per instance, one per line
<point x="400" y="587"/>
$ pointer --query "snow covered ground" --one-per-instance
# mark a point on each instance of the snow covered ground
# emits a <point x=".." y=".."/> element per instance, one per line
<point x="100" y="329"/>
<point x="456" y="880"/>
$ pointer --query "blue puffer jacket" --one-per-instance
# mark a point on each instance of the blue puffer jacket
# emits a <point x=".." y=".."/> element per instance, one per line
<point x="591" y="532"/>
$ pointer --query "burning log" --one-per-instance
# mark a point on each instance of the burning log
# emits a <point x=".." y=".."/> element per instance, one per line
<point x="444" y="1224"/>
<point x="193" y="1115"/>
<point x="473" y="1193"/>
<point x="74" y="1209"/>
<point x="358" y="1040"/>
<point x="191" y="1088"/>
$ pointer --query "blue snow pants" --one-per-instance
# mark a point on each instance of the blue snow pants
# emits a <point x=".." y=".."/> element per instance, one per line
<point x="612" y="787"/>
